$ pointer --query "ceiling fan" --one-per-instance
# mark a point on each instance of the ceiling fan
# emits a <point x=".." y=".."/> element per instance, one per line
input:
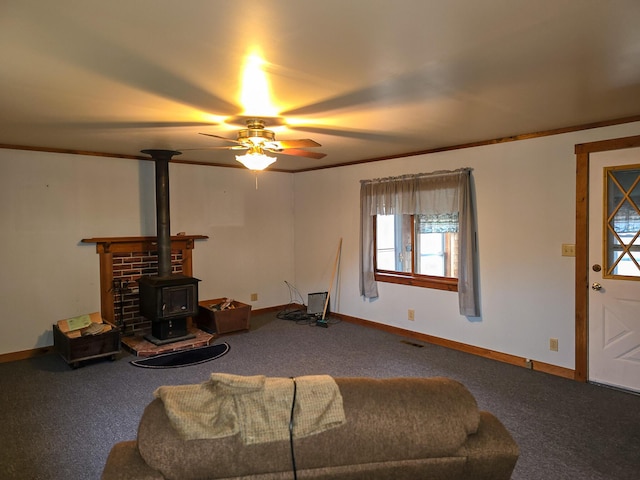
<point x="257" y="140"/>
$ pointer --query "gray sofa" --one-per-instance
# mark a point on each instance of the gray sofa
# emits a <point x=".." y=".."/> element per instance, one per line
<point x="397" y="428"/>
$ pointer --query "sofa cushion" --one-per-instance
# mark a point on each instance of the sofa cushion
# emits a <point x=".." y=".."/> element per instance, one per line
<point x="396" y="419"/>
<point x="386" y="420"/>
<point x="164" y="450"/>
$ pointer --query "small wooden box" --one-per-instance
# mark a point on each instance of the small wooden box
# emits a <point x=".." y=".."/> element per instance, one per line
<point x="76" y="350"/>
<point x="223" y="321"/>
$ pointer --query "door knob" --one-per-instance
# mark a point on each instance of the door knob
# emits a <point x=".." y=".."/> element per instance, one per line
<point x="596" y="286"/>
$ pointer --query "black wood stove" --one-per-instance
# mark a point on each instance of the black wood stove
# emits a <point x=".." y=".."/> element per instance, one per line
<point x="167" y="299"/>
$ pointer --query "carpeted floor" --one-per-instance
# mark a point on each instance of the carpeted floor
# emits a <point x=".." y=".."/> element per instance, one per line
<point x="58" y="423"/>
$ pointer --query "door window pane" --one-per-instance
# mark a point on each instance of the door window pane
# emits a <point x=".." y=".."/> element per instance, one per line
<point x="622" y="221"/>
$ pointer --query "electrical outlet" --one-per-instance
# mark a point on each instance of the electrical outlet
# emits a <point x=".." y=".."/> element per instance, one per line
<point x="254" y="297"/>
<point x="553" y="344"/>
<point x="411" y="314"/>
<point x="568" y="250"/>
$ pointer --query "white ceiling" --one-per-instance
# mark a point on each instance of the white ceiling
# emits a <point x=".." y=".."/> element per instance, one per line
<point x="365" y="78"/>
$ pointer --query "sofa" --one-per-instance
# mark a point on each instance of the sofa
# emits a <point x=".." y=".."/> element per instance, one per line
<point x="394" y="428"/>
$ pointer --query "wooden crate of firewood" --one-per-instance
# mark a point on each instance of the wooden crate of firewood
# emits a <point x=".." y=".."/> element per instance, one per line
<point x="84" y="338"/>
<point x="223" y="315"/>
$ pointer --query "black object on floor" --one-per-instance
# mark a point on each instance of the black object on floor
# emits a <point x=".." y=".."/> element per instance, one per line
<point x="183" y="358"/>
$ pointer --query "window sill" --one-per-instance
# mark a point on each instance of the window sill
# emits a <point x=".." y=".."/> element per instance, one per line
<point x="438" y="283"/>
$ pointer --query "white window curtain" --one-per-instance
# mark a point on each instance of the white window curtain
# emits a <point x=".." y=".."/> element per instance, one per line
<point x="438" y="193"/>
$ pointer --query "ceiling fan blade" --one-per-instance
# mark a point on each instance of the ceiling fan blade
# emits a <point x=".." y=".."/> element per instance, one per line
<point x="302" y="143"/>
<point x="299" y="153"/>
<point x="116" y="61"/>
<point x="351" y="133"/>
<point x="233" y="147"/>
<point x="140" y="124"/>
<point x="221" y="138"/>
<point x="402" y="88"/>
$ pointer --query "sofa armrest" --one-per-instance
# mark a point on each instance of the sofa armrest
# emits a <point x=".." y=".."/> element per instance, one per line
<point x="492" y="452"/>
<point x="125" y="463"/>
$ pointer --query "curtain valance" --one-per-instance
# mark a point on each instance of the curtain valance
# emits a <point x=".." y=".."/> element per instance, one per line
<point x="429" y="194"/>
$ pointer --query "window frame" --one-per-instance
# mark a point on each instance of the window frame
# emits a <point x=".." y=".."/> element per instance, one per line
<point x="409" y="278"/>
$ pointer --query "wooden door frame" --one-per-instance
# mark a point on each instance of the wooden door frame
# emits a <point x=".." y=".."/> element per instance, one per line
<point x="583" y="152"/>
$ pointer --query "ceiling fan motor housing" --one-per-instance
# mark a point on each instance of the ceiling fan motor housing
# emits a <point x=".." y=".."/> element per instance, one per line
<point x="255" y="133"/>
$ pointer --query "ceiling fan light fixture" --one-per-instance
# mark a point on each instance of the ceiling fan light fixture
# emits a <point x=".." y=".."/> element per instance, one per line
<point x="255" y="159"/>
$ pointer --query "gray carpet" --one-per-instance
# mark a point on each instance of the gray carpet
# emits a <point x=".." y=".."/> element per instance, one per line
<point x="58" y="423"/>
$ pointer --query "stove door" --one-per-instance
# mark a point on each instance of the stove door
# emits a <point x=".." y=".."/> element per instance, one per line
<point x="179" y="301"/>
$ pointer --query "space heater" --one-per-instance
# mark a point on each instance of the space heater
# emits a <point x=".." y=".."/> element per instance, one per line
<point x="315" y="307"/>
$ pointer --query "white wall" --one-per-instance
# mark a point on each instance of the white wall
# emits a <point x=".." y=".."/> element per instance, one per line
<point x="49" y="202"/>
<point x="289" y="229"/>
<point x="525" y="198"/>
<point x="250" y="245"/>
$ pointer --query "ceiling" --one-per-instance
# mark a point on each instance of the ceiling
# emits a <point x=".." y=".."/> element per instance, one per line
<point x="364" y="78"/>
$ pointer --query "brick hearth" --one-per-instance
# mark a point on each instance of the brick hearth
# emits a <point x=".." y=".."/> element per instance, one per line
<point x="143" y="348"/>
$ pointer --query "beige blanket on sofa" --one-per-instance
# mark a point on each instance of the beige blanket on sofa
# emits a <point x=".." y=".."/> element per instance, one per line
<point x="257" y="407"/>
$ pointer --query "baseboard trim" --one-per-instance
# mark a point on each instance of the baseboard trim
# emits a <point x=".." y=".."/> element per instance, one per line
<point x="463" y="347"/>
<point x="259" y="311"/>
<point x="24" y="354"/>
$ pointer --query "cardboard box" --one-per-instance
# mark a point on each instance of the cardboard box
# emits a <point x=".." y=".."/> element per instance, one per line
<point x="235" y="319"/>
<point x="75" y="348"/>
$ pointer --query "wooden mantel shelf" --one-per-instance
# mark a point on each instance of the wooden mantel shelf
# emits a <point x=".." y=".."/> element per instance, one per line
<point x="126" y="244"/>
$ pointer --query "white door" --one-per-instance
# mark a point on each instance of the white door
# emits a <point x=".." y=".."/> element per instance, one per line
<point x="614" y="274"/>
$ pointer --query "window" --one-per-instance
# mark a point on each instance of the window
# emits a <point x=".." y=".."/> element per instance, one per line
<point x="416" y="250"/>
<point x="419" y="230"/>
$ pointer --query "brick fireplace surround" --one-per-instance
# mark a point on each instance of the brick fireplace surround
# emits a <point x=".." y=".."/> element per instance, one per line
<point x="123" y="260"/>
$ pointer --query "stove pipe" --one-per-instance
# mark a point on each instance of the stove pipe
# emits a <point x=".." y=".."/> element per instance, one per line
<point x="163" y="225"/>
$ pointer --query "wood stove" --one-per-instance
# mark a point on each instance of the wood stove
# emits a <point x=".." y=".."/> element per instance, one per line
<point x="166" y="299"/>
<point x="167" y="302"/>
